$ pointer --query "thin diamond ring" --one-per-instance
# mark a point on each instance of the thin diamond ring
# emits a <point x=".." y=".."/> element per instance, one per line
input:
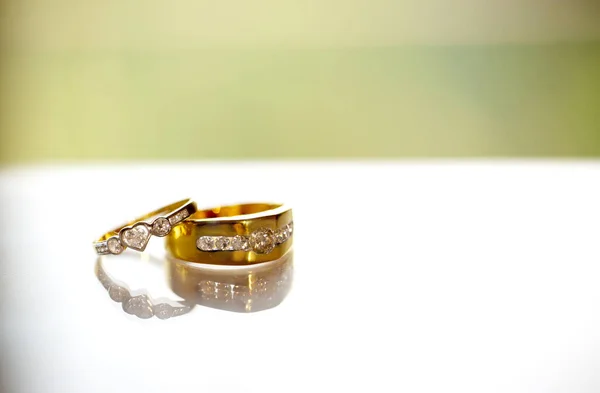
<point x="136" y="234"/>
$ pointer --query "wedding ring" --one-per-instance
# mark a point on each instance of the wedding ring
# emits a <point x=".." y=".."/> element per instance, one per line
<point x="233" y="235"/>
<point x="136" y="234"/>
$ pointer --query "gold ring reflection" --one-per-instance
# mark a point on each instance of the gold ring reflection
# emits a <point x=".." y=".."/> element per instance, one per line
<point x="240" y="288"/>
<point x="231" y="288"/>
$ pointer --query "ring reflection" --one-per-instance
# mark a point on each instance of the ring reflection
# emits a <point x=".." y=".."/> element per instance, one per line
<point x="139" y="302"/>
<point x="232" y="288"/>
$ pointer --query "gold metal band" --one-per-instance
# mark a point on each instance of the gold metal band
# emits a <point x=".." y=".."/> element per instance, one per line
<point x="136" y="234"/>
<point x="233" y="235"/>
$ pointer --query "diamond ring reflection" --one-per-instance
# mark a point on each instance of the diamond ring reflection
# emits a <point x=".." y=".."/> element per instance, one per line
<point x="142" y="306"/>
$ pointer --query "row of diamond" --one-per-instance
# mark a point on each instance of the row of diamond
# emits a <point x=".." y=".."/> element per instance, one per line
<point x="101" y="248"/>
<point x="178" y="217"/>
<point x="261" y="241"/>
<point x="138" y="235"/>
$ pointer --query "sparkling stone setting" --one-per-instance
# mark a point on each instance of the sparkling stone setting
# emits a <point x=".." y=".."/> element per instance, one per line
<point x="223" y="243"/>
<point x="137" y="234"/>
<point x="178" y="217"/>
<point x="136" y="237"/>
<point x="284" y="233"/>
<point x="240" y="243"/>
<point x="114" y="246"/>
<point x="206" y="243"/>
<point x="261" y="241"/>
<point x="161" y="227"/>
<point x="102" y="248"/>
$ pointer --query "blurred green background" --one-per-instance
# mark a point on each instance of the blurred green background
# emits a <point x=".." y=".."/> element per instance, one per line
<point x="289" y="79"/>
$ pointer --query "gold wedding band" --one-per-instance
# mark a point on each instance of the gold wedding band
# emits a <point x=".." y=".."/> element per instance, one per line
<point x="233" y="235"/>
<point x="136" y="234"/>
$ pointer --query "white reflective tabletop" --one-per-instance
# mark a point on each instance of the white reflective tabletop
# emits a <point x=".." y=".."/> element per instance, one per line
<point x="457" y="276"/>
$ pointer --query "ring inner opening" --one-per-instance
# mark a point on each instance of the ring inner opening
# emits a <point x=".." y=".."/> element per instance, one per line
<point x="234" y="210"/>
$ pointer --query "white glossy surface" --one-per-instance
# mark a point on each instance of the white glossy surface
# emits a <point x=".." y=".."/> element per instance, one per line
<point x="436" y="277"/>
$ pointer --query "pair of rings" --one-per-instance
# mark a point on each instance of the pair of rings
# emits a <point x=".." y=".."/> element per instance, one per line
<point x="226" y="235"/>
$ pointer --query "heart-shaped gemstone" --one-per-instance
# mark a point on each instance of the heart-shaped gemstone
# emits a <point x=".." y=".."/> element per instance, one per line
<point x="136" y="237"/>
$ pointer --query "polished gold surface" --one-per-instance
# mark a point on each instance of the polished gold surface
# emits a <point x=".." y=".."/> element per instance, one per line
<point x="171" y="215"/>
<point x="240" y="288"/>
<point x="241" y="219"/>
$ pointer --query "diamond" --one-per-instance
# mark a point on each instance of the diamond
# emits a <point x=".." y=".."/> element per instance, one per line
<point x="179" y="216"/>
<point x="101" y="248"/>
<point x="206" y="243"/>
<point x="262" y="241"/>
<point x="139" y="306"/>
<point x="161" y="227"/>
<point x="284" y="233"/>
<point x="118" y="293"/>
<point x="281" y="235"/>
<point x="114" y="245"/>
<point x="163" y="311"/>
<point x="136" y="237"/>
<point x="223" y="243"/>
<point x="240" y="243"/>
